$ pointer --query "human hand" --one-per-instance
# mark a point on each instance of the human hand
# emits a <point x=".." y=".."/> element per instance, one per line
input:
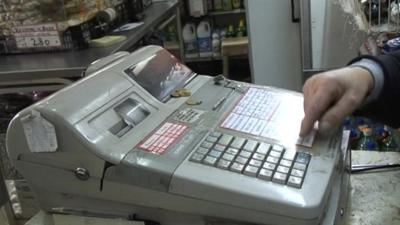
<point x="331" y="96"/>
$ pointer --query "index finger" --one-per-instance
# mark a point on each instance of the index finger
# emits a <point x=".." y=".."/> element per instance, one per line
<point x="315" y="105"/>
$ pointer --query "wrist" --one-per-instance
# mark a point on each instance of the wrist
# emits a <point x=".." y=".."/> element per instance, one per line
<point x="376" y="72"/>
<point x="364" y="78"/>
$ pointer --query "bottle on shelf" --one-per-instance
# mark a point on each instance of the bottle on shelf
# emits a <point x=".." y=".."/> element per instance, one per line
<point x="204" y="39"/>
<point x="241" y="30"/>
<point x="190" y="40"/>
<point x="389" y="142"/>
<point x="216" y="44"/>
<point x="227" y="5"/>
<point x="210" y="5"/>
<point x="105" y="20"/>
<point x="222" y="34"/>
<point x="236" y="4"/>
<point x="347" y="123"/>
<point x="380" y="132"/>
<point x="359" y="121"/>
<point x="171" y="34"/>
<point x="362" y="127"/>
<point x="355" y="135"/>
<point x="231" y="32"/>
<point x="367" y="142"/>
<point x="218" y="5"/>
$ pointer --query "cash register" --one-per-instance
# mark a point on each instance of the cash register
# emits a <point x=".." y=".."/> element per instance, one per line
<point x="144" y="135"/>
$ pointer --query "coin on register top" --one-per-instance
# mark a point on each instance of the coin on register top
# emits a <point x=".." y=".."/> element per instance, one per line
<point x="175" y="94"/>
<point x="181" y="92"/>
<point x="193" y="102"/>
<point x="184" y="92"/>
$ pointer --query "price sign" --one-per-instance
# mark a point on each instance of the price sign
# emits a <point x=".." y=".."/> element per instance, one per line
<point x="38" y="41"/>
<point x="37" y="36"/>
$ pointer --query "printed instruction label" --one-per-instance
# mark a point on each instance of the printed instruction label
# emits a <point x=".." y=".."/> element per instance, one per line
<point x="40" y="134"/>
<point x="264" y="113"/>
<point x="163" y="137"/>
<point x="189" y="115"/>
<point x="37" y="36"/>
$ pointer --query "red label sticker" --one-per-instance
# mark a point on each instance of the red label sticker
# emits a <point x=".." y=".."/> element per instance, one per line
<point x="163" y="137"/>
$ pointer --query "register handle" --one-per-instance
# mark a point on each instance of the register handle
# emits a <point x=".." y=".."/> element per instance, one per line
<point x="222" y="100"/>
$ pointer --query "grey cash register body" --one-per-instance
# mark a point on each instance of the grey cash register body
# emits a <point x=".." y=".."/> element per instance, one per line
<point x="116" y="143"/>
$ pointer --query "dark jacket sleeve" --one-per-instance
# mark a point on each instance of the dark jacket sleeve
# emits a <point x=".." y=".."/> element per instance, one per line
<point x="386" y="108"/>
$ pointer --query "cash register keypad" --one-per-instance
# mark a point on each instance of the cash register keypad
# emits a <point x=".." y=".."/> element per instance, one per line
<point x="262" y="160"/>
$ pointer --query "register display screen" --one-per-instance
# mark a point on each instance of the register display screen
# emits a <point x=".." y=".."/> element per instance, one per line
<point x="160" y="74"/>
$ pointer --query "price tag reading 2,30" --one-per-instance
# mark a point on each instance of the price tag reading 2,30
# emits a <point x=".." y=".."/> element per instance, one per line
<point x="37" y="36"/>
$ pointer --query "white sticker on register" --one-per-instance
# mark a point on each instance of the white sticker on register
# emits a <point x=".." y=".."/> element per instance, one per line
<point x="189" y="115"/>
<point x="39" y="133"/>
<point x="265" y="113"/>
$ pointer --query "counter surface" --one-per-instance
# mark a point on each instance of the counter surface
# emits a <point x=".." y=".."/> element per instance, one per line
<point x="374" y="196"/>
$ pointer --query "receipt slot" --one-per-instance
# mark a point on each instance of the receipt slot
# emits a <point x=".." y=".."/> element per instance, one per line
<point x="132" y="113"/>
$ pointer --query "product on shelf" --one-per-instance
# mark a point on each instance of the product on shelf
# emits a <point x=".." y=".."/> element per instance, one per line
<point x="218" y="5"/>
<point x="171" y="34"/>
<point x="223" y="33"/>
<point x="389" y="142"/>
<point x="197" y="8"/>
<point x="210" y="5"/>
<point x="366" y="134"/>
<point x="367" y="141"/>
<point x="394" y="12"/>
<point x="48" y="25"/>
<point x="231" y="31"/>
<point x="236" y="4"/>
<point x="134" y="10"/>
<point x="227" y="5"/>
<point x="204" y="39"/>
<point x="391" y="45"/>
<point x="224" y="5"/>
<point x="216" y="44"/>
<point x="190" y="40"/>
<point x="241" y="30"/>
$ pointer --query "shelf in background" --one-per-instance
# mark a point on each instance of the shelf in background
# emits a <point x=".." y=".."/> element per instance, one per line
<point x="202" y="59"/>
<point x="71" y="64"/>
<point x="171" y="45"/>
<point x="205" y="59"/>
<point x="235" y="11"/>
